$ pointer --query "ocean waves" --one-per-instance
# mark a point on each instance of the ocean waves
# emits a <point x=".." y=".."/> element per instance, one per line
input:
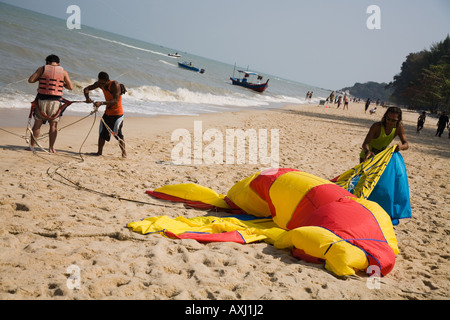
<point x="123" y="44"/>
<point x="155" y="83"/>
<point x="153" y="100"/>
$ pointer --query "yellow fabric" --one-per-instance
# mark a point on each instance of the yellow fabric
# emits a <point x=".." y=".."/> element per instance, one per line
<point x="212" y="225"/>
<point x="342" y="258"/>
<point x="248" y="200"/>
<point x="370" y="172"/>
<point x="194" y="192"/>
<point x="288" y="190"/>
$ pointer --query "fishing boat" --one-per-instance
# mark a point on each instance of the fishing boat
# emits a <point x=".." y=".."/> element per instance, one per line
<point x="190" y="66"/>
<point x="244" y="81"/>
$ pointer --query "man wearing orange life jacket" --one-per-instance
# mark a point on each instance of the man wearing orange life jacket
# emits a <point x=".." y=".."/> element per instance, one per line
<point x="52" y="79"/>
<point x="113" y="116"/>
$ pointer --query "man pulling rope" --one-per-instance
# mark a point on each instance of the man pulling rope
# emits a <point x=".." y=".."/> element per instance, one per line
<point x="52" y="79"/>
<point x="113" y="116"/>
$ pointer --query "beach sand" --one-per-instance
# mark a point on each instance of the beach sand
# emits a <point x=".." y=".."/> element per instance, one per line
<point x="49" y="228"/>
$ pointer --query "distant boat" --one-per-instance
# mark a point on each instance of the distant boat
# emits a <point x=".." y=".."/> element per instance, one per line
<point x="190" y="66"/>
<point x="175" y="55"/>
<point x="243" y="82"/>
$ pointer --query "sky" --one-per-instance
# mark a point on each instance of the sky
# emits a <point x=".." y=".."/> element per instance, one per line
<point x="324" y="43"/>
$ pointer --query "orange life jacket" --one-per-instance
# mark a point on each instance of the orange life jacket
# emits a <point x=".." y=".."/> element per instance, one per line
<point x="51" y="81"/>
<point x="115" y="110"/>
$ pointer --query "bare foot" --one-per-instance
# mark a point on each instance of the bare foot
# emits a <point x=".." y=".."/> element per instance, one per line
<point x="94" y="154"/>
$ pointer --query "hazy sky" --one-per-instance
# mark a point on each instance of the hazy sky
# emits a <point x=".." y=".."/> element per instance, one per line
<point x="325" y="43"/>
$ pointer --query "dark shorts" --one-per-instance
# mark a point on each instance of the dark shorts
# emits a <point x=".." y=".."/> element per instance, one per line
<point x="115" y="123"/>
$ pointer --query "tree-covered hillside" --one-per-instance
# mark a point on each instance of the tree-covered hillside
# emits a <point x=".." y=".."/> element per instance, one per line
<point x="372" y="90"/>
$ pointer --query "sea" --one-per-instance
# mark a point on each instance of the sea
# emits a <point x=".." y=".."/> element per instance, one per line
<point x="156" y="84"/>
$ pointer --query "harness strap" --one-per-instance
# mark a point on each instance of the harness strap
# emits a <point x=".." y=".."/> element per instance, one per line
<point x="64" y="104"/>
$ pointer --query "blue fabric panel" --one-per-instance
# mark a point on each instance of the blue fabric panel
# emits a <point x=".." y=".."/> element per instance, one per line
<point x="392" y="190"/>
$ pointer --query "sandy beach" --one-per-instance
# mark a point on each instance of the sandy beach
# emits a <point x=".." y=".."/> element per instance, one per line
<point x="50" y="227"/>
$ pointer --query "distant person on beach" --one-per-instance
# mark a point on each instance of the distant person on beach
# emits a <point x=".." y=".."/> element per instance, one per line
<point x="113" y="116"/>
<point x="52" y="79"/>
<point x="421" y="121"/>
<point x="367" y="105"/>
<point x="339" y="102"/>
<point x="331" y="97"/>
<point x="373" y="110"/>
<point x="441" y="124"/>
<point x="382" y="133"/>
<point x="345" y="102"/>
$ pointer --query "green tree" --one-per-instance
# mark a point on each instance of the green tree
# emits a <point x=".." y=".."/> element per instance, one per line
<point x="424" y="79"/>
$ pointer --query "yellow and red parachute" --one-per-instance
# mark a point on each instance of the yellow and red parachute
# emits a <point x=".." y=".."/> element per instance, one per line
<point x="319" y="220"/>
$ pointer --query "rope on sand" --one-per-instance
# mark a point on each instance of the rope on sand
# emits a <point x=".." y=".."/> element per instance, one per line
<point x="64" y="179"/>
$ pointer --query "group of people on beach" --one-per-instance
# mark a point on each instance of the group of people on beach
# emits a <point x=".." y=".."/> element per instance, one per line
<point x="52" y="80"/>
<point x="443" y="122"/>
<point x="338" y="100"/>
<point x="381" y="133"/>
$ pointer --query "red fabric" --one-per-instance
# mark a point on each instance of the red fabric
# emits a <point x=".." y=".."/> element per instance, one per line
<point x="233" y="207"/>
<point x="262" y="183"/>
<point x="314" y="199"/>
<point x="327" y="206"/>
<point x="335" y="179"/>
<point x="190" y="203"/>
<point x="231" y="236"/>
<point x="300" y="254"/>
<point x="35" y="106"/>
<point x="357" y="225"/>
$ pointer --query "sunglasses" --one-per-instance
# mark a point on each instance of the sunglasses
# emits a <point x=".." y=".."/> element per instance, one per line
<point x="391" y="120"/>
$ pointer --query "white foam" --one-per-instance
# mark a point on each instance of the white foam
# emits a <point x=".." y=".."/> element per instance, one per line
<point x="124" y="44"/>
<point x="183" y="95"/>
<point x="168" y="63"/>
